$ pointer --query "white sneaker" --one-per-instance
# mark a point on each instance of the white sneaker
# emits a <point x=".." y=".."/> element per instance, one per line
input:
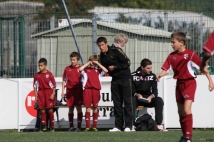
<point x="114" y="130"/>
<point x="71" y="129"/>
<point x="78" y="130"/>
<point x="160" y="127"/>
<point x="127" y="130"/>
<point x="133" y="128"/>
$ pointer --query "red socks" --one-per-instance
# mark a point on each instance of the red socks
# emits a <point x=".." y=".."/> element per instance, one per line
<point x="79" y="119"/>
<point x="51" y="117"/>
<point x="95" y="118"/>
<point x="43" y="118"/>
<point x="186" y="125"/>
<point x="87" y="119"/>
<point x="70" y="119"/>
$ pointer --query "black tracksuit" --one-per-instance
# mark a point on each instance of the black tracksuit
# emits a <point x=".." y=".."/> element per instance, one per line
<point x="121" y="87"/>
<point x="146" y="86"/>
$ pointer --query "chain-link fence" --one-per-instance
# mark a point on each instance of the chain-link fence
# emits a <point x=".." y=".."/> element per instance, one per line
<point x="24" y="39"/>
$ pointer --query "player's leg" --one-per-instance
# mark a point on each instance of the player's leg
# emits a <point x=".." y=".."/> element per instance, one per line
<point x="95" y="101"/>
<point x="51" y="117"/>
<point x="50" y="105"/>
<point x="87" y="101"/>
<point x="157" y="103"/>
<point x="78" y="101"/>
<point x="41" y="104"/>
<point x="187" y="89"/>
<point x="70" y="104"/>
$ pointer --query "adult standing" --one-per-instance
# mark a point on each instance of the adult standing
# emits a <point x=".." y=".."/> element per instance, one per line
<point x="115" y="60"/>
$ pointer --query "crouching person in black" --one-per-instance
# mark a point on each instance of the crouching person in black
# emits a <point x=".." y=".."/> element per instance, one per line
<point x="145" y="92"/>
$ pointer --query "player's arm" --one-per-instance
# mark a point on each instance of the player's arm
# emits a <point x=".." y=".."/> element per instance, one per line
<point x="204" y="64"/>
<point x="35" y="86"/>
<point x="211" y="85"/>
<point x="165" y="68"/>
<point x="53" y="87"/>
<point x="35" y="93"/>
<point x="84" y="66"/>
<point x="124" y="60"/>
<point x="163" y="73"/>
<point x="101" y="66"/>
<point x="63" y="89"/>
<point x="134" y="89"/>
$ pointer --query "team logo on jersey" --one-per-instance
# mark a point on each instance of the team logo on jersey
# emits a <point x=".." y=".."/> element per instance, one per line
<point x="186" y="56"/>
<point x="173" y="58"/>
<point x="186" y="96"/>
<point x="47" y="75"/>
<point x="139" y="78"/>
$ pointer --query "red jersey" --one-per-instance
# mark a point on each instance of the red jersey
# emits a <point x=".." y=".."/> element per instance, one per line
<point x="72" y="77"/>
<point x="44" y="80"/>
<point x="209" y="45"/>
<point x="182" y="63"/>
<point x="91" y="78"/>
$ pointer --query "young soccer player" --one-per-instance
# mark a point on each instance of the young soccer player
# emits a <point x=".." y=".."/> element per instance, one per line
<point x="71" y="80"/>
<point x="44" y="87"/>
<point x="182" y="61"/>
<point x="208" y="51"/>
<point x="91" y="88"/>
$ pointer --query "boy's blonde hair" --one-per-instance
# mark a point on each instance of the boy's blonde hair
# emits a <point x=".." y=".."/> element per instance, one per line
<point x="121" y="38"/>
<point x="94" y="58"/>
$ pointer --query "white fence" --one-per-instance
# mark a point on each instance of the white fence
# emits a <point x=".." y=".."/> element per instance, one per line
<point x="17" y="101"/>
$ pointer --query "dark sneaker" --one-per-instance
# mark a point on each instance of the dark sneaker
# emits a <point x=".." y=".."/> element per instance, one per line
<point x="71" y="129"/>
<point x="183" y="139"/>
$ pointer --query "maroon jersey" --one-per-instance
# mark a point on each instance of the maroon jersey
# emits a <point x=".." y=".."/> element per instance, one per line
<point x="44" y="80"/>
<point x="91" y="78"/>
<point x="209" y="45"/>
<point x="182" y="63"/>
<point x="72" y="77"/>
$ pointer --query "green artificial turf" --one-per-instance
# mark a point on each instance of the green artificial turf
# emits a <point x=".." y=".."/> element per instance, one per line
<point x="104" y="136"/>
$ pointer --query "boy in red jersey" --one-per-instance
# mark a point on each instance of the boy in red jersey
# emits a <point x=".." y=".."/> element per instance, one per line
<point x="208" y="51"/>
<point x="182" y="61"/>
<point x="44" y="88"/>
<point x="91" y="88"/>
<point x="74" y="94"/>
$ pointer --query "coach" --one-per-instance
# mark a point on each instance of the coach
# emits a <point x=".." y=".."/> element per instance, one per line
<point x="145" y="92"/>
<point x="117" y="63"/>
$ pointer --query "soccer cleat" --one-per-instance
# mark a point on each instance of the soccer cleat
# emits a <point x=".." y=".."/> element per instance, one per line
<point x="94" y="129"/>
<point x="71" y="129"/>
<point x="127" y="129"/>
<point x="52" y="130"/>
<point x="160" y="127"/>
<point x="78" y="130"/>
<point x="183" y="139"/>
<point x="114" y="130"/>
<point x="44" y="129"/>
<point x="87" y="129"/>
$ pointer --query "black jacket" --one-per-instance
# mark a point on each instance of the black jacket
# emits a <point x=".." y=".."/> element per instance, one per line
<point x="144" y="85"/>
<point x="116" y="57"/>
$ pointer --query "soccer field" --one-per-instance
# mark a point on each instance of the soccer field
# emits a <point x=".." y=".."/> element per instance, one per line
<point x="104" y="136"/>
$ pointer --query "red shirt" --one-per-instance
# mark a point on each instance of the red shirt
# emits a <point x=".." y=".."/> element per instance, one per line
<point x="72" y="77"/>
<point x="44" y="80"/>
<point x="209" y="45"/>
<point x="91" y="78"/>
<point x="182" y="63"/>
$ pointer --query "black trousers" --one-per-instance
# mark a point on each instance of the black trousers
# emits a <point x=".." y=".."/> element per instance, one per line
<point x="121" y="90"/>
<point x="157" y="103"/>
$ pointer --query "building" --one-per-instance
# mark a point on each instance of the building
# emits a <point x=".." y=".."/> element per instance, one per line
<point x="144" y="42"/>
